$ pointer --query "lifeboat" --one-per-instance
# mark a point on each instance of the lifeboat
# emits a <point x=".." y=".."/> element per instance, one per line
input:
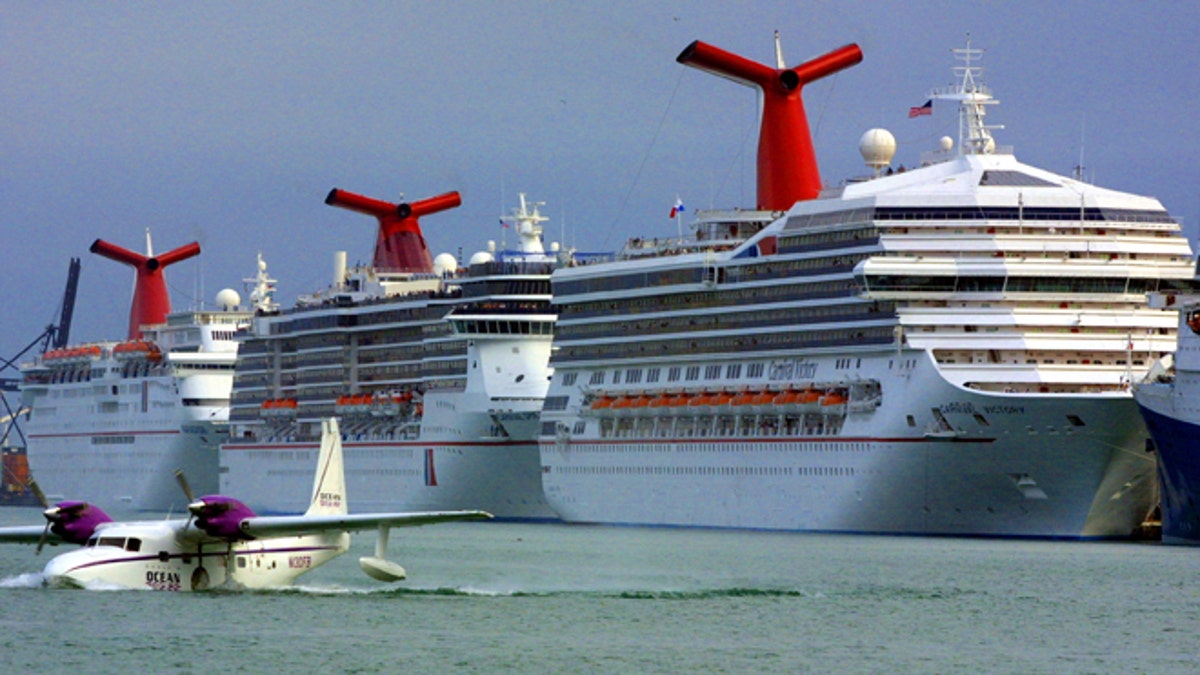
<point x="602" y="403"/>
<point x="762" y="401"/>
<point x="809" y="398"/>
<point x="720" y="398"/>
<point x="622" y="403"/>
<point x="54" y="355"/>
<point x="661" y="401"/>
<point x="833" y="399"/>
<point x="743" y="398"/>
<point x="354" y="404"/>
<point x="136" y="349"/>
<point x="699" y="400"/>
<point x="278" y="407"/>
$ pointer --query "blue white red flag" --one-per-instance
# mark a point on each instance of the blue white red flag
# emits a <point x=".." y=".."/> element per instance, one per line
<point x="678" y="208"/>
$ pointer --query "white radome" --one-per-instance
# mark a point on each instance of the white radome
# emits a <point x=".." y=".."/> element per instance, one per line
<point x="877" y="147"/>
<point x="227" y="298"/>
<point x="482" y="257"/>
<point x="444" y="263"/>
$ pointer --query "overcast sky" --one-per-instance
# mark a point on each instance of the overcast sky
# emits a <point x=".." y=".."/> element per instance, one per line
<point x="228" y="122"/>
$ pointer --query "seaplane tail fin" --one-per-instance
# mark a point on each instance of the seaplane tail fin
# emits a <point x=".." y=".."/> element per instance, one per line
<point x="329" y="484"/>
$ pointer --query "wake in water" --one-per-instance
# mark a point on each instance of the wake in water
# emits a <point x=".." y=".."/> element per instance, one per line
<point x="27" y="580"/>
<point x="37" y="580"/>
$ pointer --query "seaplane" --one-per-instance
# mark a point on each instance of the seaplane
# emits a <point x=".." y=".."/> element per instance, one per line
<point x="222" y="543"/>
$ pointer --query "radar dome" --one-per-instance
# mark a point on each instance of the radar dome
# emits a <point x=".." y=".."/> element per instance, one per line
<point x="877" y="147"/>
<point x="227" y="298"/>
<point x="946" y="143"/>
<point x="482" y="257"/>
<point x="445" y="264"/>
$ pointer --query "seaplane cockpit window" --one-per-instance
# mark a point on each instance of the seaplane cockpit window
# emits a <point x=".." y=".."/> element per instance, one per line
<point x="119" y="542"/>
<point x="132" y="544"/>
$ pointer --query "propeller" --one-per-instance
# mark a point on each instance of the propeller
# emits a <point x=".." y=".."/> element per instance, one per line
<point x="187" y="492"/>
<point x="41" y="497"/>
<point x="183" y="485"/>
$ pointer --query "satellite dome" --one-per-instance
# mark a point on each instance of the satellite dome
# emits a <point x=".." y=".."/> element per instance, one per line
<point x="227" y="299"/>
<point x="482" y="257"/>
<point x="946" y="143"/>
<point x="877" y="147"/>
<point x="445" y="264"/>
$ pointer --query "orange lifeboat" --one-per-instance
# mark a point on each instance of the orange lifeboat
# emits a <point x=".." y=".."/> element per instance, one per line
<point x="833" y="398"/>
<point x="743" y="398"/>
<point x="602" y="403"/>
<point x="136" y="349"/>
<point x="809" y="396"/>
<point x="763" y="398"/>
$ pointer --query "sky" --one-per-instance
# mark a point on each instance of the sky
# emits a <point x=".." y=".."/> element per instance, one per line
<point x="227" y="123"/>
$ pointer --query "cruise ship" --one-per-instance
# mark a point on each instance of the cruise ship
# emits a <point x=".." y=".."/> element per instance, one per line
<point x="1169" y="398"/>
<point x="110" y="422"/>
<point x="943" y="350"/>
<point x="437" y="371"/>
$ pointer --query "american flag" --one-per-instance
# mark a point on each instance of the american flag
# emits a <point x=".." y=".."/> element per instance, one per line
<point x="926" y="109"/>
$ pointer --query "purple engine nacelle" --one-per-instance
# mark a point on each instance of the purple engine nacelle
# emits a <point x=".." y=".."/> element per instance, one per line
<point x="75" y="522"/>
<point x="221" y="516"/>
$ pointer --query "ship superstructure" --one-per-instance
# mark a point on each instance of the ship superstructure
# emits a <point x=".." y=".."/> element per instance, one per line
<point x="942" y="350"/>
<point x="110" y="422"/>
<point x="437" y="372"/>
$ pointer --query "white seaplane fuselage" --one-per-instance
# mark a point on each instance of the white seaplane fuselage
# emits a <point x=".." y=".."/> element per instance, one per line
<point x="163" y="556"/>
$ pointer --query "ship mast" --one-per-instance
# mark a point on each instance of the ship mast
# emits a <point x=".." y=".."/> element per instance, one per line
<point x="974" y="136"/>
<point x="528" y="224"/>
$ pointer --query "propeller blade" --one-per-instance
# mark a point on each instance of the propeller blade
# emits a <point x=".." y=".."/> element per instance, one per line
<point x="45" y="530"/>
<point x="183" y="484"/>
<point x="37" y="492"/>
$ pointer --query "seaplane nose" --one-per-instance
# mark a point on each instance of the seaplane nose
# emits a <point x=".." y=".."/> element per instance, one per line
<point x="58" y="571"/>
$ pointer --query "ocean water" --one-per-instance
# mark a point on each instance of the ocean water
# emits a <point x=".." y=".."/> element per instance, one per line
<point x="526" y="598"/>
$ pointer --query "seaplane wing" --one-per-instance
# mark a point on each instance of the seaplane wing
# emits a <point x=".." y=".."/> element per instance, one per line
<point x="278" y="526"/>
<point x="27" y="534"/>
<point x="222" y="542"/>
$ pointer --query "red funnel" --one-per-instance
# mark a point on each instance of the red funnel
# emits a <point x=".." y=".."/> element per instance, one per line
<point x="400" y="246"/>
<point x="151" y="304"/>
<point x="787" y="163"/>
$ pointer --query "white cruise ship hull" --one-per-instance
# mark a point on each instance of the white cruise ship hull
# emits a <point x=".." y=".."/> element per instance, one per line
<point x="122" y="450"/>
<point x="501" y="478"/>
<point x="1016" y="465"/>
